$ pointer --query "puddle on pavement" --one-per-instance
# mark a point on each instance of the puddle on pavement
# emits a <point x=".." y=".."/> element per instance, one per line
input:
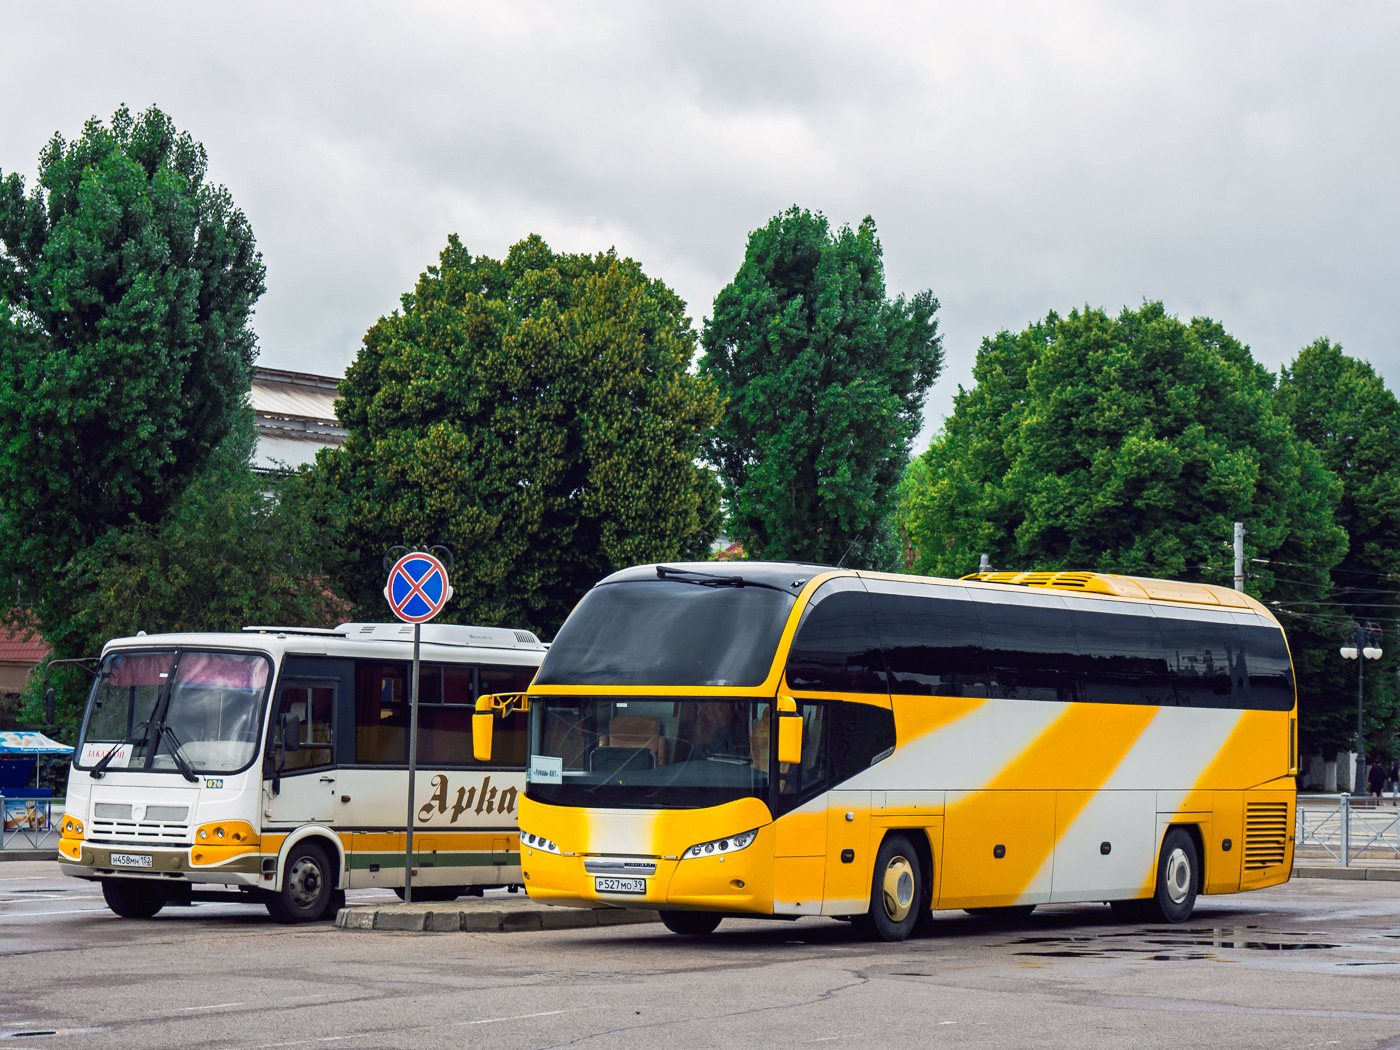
<point x="1194" y="937"/>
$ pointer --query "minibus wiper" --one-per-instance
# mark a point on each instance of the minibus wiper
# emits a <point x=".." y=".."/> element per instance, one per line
<point x="186" y="770"/>
<point x="707" y="579"/>
<point x="106" y="760"/>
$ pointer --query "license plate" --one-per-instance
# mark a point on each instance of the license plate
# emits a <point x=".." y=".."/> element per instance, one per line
<point x="131" y="860"/>
<point x="605" y="884"/>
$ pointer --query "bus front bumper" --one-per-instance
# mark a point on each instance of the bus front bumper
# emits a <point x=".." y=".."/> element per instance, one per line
<point x="202" y="864"/>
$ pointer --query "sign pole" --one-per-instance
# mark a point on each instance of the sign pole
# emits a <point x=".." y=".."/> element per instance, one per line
<point x="412" y="768"/>
<point x="417" y="590"/>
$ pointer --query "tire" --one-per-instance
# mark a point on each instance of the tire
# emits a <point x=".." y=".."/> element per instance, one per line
<point x="1177" y="883"/>
<point x="897" y="895"/>
<point x="1009" y="913"/>
<point x="308" y="886"/>
<point x="432" y="894"/>
<point x="132" y="900"/>
<point x="691" y="923"/>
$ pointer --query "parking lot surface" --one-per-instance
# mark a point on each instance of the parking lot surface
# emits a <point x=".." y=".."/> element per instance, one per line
<point x="1313" y="963"/>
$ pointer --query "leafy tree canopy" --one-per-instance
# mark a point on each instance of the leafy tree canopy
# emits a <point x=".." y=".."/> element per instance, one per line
<point x="1343" y="408"/>
<point x="127" y="283"/>
<point x="825" y="379"/>
<point x="1126" y="444"/>
<point x="535" y="414"/>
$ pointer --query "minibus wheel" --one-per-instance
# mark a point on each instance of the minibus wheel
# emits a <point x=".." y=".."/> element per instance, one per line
<point x="690" y="923"/>
<point x="308" y="886"/>
<point x="896" y="892"/>
<point x="132" y="900"/>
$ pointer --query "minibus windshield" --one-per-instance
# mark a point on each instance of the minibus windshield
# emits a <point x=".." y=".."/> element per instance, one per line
<point x="647" y="753"/>
<point x="669" y="632"/>
<point x="154" y="710"/>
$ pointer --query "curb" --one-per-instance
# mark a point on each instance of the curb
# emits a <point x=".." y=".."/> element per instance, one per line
<point x="28" y="854"/>
<point x="1349" y="874"/>
<point x="489" y="917"/>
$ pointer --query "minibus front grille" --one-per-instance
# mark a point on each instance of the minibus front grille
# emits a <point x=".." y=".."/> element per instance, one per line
<point x="138" y="831"/>
<point x="1265" y="834"/>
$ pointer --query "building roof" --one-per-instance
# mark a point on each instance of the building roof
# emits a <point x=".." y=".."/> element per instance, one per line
<point x="22" y="647"/>
<point x="295" y="416"/>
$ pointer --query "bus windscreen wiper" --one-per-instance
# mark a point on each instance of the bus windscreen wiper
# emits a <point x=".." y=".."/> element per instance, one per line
<point x="707" y="579"/>
<point x="106" y="760"/>
<point x="181" y="763"/>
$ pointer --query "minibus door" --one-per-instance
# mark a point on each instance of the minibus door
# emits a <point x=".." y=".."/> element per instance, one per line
<point x="299" y="784"/>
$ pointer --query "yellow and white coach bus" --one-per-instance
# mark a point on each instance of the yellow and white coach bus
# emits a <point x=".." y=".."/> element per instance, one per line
<point x="787" y="740"/>
<point x="274" y="763"/>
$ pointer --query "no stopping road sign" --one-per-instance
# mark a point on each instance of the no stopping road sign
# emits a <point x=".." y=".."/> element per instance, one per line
<point x="417" y="588"/>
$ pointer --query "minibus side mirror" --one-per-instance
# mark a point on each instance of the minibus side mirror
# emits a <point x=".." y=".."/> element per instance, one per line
<point x="291" y="732"/>
<point x="483" y="723"/>
<point x="789" y="732"/>
<point x="48" y="706"/>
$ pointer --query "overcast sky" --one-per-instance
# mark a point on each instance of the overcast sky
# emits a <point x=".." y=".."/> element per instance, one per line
<point x="1238" y="161"/>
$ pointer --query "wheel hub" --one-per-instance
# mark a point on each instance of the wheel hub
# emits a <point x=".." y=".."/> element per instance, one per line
<point x="1178" y="875"/>
<point x="305" y="881"/>
<point x="897" y="888"/>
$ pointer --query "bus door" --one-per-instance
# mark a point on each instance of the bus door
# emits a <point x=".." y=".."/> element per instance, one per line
<point x="306" y="781"/>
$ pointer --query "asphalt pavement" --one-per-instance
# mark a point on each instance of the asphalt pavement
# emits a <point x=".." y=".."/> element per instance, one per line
<point x="1313" y="963"/>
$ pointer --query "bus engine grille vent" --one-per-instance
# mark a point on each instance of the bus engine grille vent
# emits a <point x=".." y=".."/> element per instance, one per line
<point x="1265" y="834"/>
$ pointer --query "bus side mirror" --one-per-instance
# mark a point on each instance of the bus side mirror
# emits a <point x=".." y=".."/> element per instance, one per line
<point x="483" y="722"/>
<point x="48" y="706"/>
<point x="789" y="732"/>
<point x="291" y="732"/>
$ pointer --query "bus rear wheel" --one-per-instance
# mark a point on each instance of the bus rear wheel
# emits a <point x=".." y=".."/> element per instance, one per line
<point x="1177" y="883"/>
<point x="691" y="923"/>
<point x="131" y="899"/>
<point x="308" y="886"/>
<point x="897" y="895"/>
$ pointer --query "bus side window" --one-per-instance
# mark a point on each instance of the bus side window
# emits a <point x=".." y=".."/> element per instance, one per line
<point x="1270" y="677"/>
<point x="313" y="705"/>
<point x="837" y="648"/>
<point x="1202" y="656"/>
<point x="1031" y="648"/>
<point x="861" y="735"/>
<point x="1121" y="657"/>
<point x="933" y="645"/>
<point x="381" y="713"/>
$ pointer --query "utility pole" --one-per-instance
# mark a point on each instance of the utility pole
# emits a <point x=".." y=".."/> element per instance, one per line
<point x="1239" y="555"/>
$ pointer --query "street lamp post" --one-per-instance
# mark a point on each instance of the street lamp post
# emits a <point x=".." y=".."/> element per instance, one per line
<point x="1365" y="642"/>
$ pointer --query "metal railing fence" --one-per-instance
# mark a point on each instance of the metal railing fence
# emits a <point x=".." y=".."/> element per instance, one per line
<point x="29" y="823"/>
<point x="1346" y="829"/>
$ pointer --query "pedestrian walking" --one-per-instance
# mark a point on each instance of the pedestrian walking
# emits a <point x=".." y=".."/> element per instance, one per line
<point x="1375" y="779"/>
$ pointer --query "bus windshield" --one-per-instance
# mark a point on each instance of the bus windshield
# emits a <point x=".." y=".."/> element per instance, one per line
<point x="669" y="632"/>
<point x="642" y="753"/>
<point x="204" y="707"/>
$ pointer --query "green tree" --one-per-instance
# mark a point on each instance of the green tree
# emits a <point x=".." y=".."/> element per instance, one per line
<point x="1126" y="444"/>
<point x="127" y="283"/>
<point x="1343" y="408"/>
<point x="824" y="379"/>
<point x="535" y="414"/>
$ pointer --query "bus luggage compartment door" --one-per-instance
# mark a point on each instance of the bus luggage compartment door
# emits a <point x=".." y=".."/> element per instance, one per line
<point x="996" y="845"/>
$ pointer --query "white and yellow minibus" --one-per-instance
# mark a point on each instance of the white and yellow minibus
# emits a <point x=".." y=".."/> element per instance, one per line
<point x="272" y="766"/>
<point x="786" y="740"/>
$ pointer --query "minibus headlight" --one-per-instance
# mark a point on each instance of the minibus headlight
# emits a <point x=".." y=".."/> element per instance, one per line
<point x="534" y="841"/>
<point x="729" y="844"/>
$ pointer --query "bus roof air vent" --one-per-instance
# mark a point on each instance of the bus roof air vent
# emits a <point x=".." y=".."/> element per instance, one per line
<point x="444" y="634"/>
<point x="1090" y="582"/>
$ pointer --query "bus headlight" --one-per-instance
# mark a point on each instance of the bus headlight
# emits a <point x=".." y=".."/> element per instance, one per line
<point x="228" y="833"/>
<point x="715" y="847"/>
<point x="539" y="842"/>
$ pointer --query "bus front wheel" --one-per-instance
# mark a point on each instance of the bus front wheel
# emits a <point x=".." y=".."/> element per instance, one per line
<point x="132" y="900"/>
<point x="690" y="923"/>
<point x="896" y="893"/>
<point x="308" y="886"/>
